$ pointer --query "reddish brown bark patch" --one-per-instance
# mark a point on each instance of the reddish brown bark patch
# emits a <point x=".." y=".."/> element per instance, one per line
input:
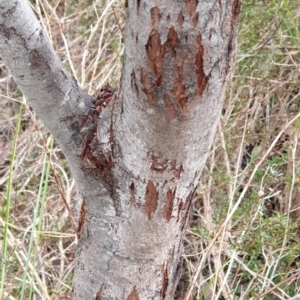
<point x="180" y="19"/>
<point x="151" y="198"/>
<point x="100" y="292"/>
<point x="147" y="86"/>
<point x="180" y="207"/>
<point x="201" y="78"/>
<point x="159" y="164"/>
<point x="169" y="106"/>
<point x="190" y="6"/>
<point x="83" y="212"/>
<point x="134" y="295"/>
<point x="165" y="280"/>
<point x="155" y="15"/>
<point x="155" y="51"/>
<point x="169" y="204"/>
<point x="179" y="90"/>
<point x="172" y="39"/>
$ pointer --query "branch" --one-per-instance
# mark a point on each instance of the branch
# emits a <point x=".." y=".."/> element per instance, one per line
<point x="51" y="91"/>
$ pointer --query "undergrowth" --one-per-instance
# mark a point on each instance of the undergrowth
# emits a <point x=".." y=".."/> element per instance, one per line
<point x="243" y="236"/>
<point x="243" y="240"/>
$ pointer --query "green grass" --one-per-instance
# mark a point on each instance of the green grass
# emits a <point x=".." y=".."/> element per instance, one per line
<point x="7" y="205"/>
<point x="35" y="236"/>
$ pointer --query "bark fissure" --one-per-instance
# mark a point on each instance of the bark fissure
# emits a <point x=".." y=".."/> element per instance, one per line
<point x="165" y="280"/>
<point x="82" y="216"/>
<point x="201" y="78"/>
<point x="100" y="292"/>
<point x="151" y="198"/>
<point x="169" y="204"/>
<point x="155" y="51"/>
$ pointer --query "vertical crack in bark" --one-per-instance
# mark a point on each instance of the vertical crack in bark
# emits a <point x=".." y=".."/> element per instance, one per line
<point x="134" y="295"/>
<point x="132" y="192"/>
<point x="178" y="87"/>
<point x="201" y="78"/>
<point x="83" y="213"/>
<point x="165" y="280"/>
<point x="155" y="51"/>
<point x="151" y="198"/>
<point x="169" y="204"/>
<point x="134" y="84"/>
<point x="187" y="204"/>
<point x="138" y="4"/>
<point x="180" y="206"/>
<point x="180" y="19"/>
<point x="100" y="292"/>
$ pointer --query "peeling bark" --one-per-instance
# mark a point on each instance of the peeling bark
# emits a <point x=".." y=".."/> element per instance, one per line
<point x="155" y="51"/>
<point x="169" y="204"/>
<point x="151" y="198"/>
<point x="82" y="216"/>
<point x="136" y="154"/>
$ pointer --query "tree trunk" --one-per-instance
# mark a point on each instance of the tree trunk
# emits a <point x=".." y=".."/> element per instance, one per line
<point x="136" y="154"/>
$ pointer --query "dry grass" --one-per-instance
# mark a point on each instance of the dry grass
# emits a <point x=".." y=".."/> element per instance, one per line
<point x="243" y="240"/>
<point x="243" y="237"/>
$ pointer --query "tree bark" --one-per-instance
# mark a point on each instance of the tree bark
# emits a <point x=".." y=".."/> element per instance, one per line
<point x="136" y="154"/>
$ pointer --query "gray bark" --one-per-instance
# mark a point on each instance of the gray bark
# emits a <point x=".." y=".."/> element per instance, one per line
<point x="136" y="155"/>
